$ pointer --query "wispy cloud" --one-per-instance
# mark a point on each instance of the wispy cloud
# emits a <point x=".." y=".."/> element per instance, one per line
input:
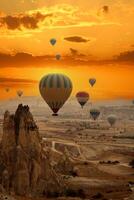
<point x="125" y="56"/>
<point x="53" y="17"/>
<point x="24" y="60"/>
<point x="78" y="39"/>
<point x="15" y="80"/>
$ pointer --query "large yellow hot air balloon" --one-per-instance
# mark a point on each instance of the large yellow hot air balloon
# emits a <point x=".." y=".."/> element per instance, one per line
<point x="55" y="90"/>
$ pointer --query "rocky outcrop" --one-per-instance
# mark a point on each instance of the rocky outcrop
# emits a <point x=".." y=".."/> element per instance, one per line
<point x="25" y="168"/>
<point x="65" y="164"/>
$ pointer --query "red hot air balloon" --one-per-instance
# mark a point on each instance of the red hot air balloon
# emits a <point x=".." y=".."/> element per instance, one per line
<point x="82" y="98"/>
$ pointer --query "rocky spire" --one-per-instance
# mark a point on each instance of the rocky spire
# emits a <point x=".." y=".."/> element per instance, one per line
<point x="25" y="166"/>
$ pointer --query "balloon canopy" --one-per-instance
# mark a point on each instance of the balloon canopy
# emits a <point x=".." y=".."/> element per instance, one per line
<point x="55" y="90"/>
<point x="94" y="113"/>
<point x="53" y="41"/>
<point x="92" y="81"/>
<point x="58" y="57"/>
<point x="19" y="93"/>
<point x="7" y="89"/>
<point x="112" y="119"/>
<point x="82" y="98"/>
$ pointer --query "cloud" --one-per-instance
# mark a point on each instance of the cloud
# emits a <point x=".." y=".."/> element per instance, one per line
<point x="74" y="52"/>
<point x="27" y="21"/>
<point x="24" y="60"/>
<point x="78" y="39"/>
<point x="52" y="17"/>
<point x="76" y="55"/>
<point x="6" y="82"/>
<point x="14" y="80"/>
<point x="103" y="10"/>
<point x="125" y="56"/>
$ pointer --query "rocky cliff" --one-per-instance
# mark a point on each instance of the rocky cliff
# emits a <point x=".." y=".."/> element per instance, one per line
<point x="25" y="167"/>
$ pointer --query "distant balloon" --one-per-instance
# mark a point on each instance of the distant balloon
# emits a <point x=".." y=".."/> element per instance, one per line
<point x="112" y="119"/>
<point x="19" y="93"/>
<point x="58" y="57"/>
<point x="94" y="112"/>
<point x="7" y="89"/>
<point x="53" y="41"/>
<point x="105" y="9"/>
<point x="55" y="90"/>
<point x="92" y="81"/>
<point x="82" y="98"/>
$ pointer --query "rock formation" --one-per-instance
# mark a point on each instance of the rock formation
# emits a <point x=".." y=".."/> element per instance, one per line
<point x="25" y="168"/>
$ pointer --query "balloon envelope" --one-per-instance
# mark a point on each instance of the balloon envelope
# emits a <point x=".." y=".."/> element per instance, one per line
<point x="55" y="90"/>
<point x="94" y="113"/>
<point x="58" y="57"/>
<point x="92" y="81"/>
<point x="112" y="119"/>
<point x="19" y="93"/>
<point x="7" y="89"/>
<point x="53" y="41"/>
<point x="82" y="98"/>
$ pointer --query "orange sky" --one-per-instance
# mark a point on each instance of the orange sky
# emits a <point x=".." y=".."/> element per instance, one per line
<point x="94" y="38"/>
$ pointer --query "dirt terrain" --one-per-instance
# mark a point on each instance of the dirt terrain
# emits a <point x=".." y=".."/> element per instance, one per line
<point x="101" y="154"/>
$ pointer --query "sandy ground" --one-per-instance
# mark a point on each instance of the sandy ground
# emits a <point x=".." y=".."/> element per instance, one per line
<point x="88" y="142"/>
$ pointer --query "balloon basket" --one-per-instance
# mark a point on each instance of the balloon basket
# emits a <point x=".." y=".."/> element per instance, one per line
<point x="54" y="114"/>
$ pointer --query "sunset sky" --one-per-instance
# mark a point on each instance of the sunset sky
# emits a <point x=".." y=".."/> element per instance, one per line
<point x="94" y="37"/>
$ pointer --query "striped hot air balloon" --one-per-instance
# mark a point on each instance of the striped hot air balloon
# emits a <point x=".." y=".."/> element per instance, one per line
<point x="82" y="98"/>
<point x="55" y="90"/>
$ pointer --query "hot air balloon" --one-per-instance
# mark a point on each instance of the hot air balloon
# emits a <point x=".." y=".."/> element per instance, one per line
<point x="112" y="119"/>
<point x="94" y="112"/>
<point x="58" y="57"/>
<point x="133" y="102"/>
<point x="92" y="81"/>
<point x="105" y="9"/>
<point x="55" y="90"/>
<point x="53" y="41"/>
<point x="7" y="89"/>
<point x="19" y="93"/>
<point x="82" y="98"/>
